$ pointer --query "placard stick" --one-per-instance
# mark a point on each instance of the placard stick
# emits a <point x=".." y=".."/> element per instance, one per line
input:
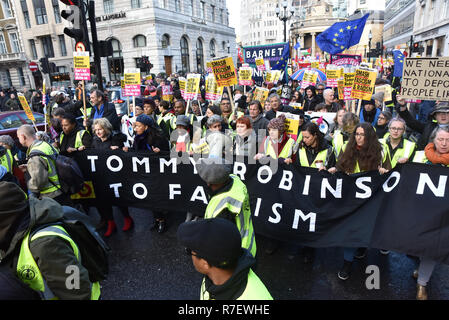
<point x="383" y="106"/>
<point x="358" y="107"/>
<point x="127" y="98"/>
<point x="408" y="106"/>
<point x="134" y="106"/>
<point x="84" y="103"/>
<point x="232" y="102"/>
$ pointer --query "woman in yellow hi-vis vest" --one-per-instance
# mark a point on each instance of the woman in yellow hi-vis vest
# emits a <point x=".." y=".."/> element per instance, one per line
<point x="362" y="153"/>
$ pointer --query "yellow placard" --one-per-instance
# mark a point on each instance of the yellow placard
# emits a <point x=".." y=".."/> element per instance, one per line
<point x="363" y="84"/>
<point x="87" y="192"/>
<point x="260" y="63"/>
<point x="132" y="79"/>
<point x="349" y="79"/>
<point x="224" y="72"/>
<point x="341" y="89"/>
<point x="245" y="76"/>
<point x="386" y="89"/>
<point x="261" y="94"/>
<point x="182" y="84"/>
<point x="26" y="107"/>
<point x="332" y="74"/>
<point x="315" y="64"/>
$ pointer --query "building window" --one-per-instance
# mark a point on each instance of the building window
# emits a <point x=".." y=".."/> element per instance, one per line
<point x="213" y="12"/>
<point x="177" y="5"/>
<point x="199" y="56"/>
<point x="15" y="44"/>
<point x="192" y="8"/>
<point x="33" y="49"/>
<point x="212" y="48"/>
<point x="185" y="60"/>
<point x="116" y="49"/>
<point x="56" y="11"/>
<point x="139" y="41"/>
<point x="116" y="65"/>
<point x="135" y="4"/>
<point x="3" y="49"/>
<point x="221" y="16"/>
<point x="47" y="46"/>
<point x="40" y="12"/>
<point x="62" y="69"/>
<point x="7" y="12"/>
<point x="202" y="10"/>
<point x="21" y="76"/>
<point x="62" y="45"/>
<point x="8" y="78"/>
<point x="108" y="6"/>
<point x="26" y="14"/>
<point x="165" y="41"/>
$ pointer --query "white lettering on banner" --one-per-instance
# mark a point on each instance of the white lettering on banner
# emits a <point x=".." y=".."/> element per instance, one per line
<point x="240" y="170"/>
<point x="395" y="175"/>
<point x="326" y="186"/>
<point x="257" y="210"/>
<point x="287" y="177"/>
<point x="172" y="162"/>
<point x="172" y="191"/>
<point x="92" y="162"/>
<point x="359" y="183"/>
<point x="305" y="190"/>
<point x="259" y="174"/>
<point x="193" y="162"/>
<point x="140" y="186"/>
<point x="116" y="158"/>
<point x="424" y="180"/>
<point x="115" y="186"/>
<point x="277" y="219"/>
<point x="145" y="161"/>
<point x="300" y="214"/>
<point x="199" y="194"/>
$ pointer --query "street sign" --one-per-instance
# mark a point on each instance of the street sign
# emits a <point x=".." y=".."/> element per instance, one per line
<point x="33" y="66"/>
<point x="79" y="47"/>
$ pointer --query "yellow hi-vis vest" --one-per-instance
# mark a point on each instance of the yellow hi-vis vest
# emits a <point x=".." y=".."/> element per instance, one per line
<point x="78" y="138"/>
<point x="255" y="289"/>
<point x="53" y="183"/>
<point x="420" y="157"/>
<point x="236" y="200"/>
<point x="337" y="142"/>
<point x="165" y="118"/>
<point x="28" y="270"/>
<point x="322" y="155"/>
<point x="405" y="152"/>
<point x="7" y="160"/>
<point x="286" y="152"/>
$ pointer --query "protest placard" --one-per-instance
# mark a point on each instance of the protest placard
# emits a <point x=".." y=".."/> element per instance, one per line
<point x="213" y="91"/>
<point x="309" y="79"/>
<point x="296" y="105"/>
<point x="387" y="91"/>
<point x="364" y="81"/>
<point x="426" y="79"/>
<point x="132" y="82"/>
<point x="182" y="86"/>
<point x="81" y="62"/>
<point x="26" y="107"/>
<point x="245" y="76"/>
<point x="333" y="73"/>
<point x="167" y="93"/>
<point x="348" y="82"/>
<point x="192" y="86"/>
<point x="261" y="94"/>
<point x="224" y="72"/>
<point x="260" y="64"/>
<point x="291" y="123"/>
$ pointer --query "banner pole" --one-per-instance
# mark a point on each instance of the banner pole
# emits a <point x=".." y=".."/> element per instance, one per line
<point x="84" y="102"/>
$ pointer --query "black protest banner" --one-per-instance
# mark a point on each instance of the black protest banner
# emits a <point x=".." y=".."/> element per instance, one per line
<point x="405" y="210"/>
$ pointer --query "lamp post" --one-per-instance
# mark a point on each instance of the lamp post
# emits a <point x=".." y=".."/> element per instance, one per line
<point x="284" y="16"/>
<point x="370" y="36"/>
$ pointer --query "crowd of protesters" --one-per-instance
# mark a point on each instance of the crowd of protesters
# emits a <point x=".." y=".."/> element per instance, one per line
<point x="377" y="137"/>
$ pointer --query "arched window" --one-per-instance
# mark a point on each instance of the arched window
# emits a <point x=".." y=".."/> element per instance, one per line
<point x="199" y="56"/>
<point x="185" y="60"/>
<point x="115" y="63"/>
<point x="165" y="41"/>
<point x="116" y="48"/>
<point x="139" y="41"/>
<point x="212" y="48"/>
<point x="223" y="46"/>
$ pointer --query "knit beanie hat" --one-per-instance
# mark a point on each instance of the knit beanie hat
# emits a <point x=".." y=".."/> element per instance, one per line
<point x="215" y="240"/>
<point x="277" y="123"/>
<point x="146" y="120"/>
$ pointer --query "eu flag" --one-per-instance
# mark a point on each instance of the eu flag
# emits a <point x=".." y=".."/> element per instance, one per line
<point x="282" y="63"/>
<point x="398" y="63"/>
<point x="341" y="35"/>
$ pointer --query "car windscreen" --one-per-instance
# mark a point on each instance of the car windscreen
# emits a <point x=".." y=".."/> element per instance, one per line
<point x="11" y="121"/>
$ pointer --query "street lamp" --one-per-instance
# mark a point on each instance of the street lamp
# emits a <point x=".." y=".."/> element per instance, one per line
<point x="370" y="36"/>
<point x="284" y="16"/>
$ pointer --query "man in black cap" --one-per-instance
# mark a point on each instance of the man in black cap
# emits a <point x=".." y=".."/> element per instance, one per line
<point x="216" y="251"/>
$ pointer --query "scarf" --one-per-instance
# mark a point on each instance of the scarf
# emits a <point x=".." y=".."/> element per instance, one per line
<point x="140" y="141"/>
<point x="435" y="157"/>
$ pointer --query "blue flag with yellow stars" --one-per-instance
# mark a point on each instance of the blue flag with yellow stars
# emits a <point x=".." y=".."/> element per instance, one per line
<point x="282" y="63"/>
<point x="341" y="35"/>
<point x="398" y="63"/>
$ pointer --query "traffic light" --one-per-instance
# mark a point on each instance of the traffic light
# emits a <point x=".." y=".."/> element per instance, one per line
<point x="415" y="47"/>
<point x="45" y="66"/>
<point x="145" y="64"/>
<point x="76" y="14"/>
<point x="106" y="49"/>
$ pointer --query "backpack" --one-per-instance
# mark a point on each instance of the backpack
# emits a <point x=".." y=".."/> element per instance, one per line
<point x="92" y="248"/>
<point x="69" y="173"/>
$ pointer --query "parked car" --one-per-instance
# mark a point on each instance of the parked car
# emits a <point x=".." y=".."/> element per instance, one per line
<point x="10" y="121"/>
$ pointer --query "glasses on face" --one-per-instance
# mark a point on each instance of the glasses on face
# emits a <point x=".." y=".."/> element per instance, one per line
<point x="382" y="118"/>
<point x="396" y="129"/>
<point x="359" y="134"/>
